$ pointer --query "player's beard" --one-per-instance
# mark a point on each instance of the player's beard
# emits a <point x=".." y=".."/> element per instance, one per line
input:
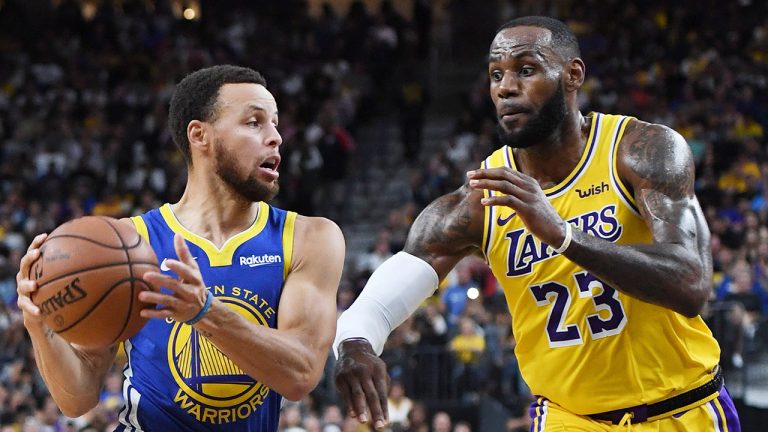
<point x="540" y="125"/>
<point x="250" y="186"/>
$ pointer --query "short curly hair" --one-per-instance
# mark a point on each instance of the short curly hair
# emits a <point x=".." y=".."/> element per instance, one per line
<point x="563" y="39"/>
<point x="196" y="96"/>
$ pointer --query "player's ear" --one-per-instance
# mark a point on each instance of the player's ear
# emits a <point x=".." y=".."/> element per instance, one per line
<point x="196" y="132"/>
<point x="575" y="70"/>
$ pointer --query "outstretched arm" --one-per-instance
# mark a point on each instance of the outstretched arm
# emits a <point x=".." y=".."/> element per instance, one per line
<point x="290" y="358"/>
<point x="446" y="231"/>
<point x="675" y="271"/>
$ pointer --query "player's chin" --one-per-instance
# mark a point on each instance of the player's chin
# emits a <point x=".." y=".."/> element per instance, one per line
<point x="513" y="125"/>
<point x="274" y="189"/>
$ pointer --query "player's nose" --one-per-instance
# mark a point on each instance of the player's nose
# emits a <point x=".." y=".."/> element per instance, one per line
<point x="273" y="137"/>
<point x="509" y="85"/>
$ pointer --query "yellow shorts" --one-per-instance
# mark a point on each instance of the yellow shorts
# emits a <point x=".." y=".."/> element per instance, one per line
<point x="717" y="415"/>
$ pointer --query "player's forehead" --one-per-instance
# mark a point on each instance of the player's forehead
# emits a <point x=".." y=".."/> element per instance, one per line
<point x="516" y="41"/>
<point x="239" y="98"/>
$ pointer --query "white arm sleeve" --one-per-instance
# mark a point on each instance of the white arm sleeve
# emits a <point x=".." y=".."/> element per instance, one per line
<point x="392" y="294"/>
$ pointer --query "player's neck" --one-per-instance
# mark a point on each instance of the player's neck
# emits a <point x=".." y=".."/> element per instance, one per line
<point x="552" y="160"/>
<point x="214" y="213"/>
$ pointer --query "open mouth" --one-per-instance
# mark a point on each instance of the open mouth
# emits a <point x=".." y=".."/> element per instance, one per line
<point x="271" y="163"/>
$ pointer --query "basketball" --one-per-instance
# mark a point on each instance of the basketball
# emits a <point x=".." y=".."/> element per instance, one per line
<point x="89" y="276"/>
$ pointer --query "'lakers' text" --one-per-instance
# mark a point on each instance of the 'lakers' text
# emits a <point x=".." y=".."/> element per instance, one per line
<point x="525" y="250"/>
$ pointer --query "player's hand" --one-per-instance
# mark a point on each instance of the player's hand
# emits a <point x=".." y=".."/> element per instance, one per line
<point x="361" y="378"/>
<point x="188" y="291"/>
<point x="521" y="193"/>
<point x="26" y="286"/>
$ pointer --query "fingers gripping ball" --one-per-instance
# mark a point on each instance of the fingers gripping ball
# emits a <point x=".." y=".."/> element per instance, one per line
<point x="89" y="276"/>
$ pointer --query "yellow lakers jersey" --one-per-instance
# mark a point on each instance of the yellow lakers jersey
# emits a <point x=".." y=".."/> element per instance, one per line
<point x="581" y="343"/>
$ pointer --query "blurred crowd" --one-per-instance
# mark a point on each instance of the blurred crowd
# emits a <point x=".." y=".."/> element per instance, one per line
<point x="83" y="106"/>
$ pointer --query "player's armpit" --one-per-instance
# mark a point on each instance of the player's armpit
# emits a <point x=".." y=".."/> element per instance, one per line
<point x="450" y="228"/>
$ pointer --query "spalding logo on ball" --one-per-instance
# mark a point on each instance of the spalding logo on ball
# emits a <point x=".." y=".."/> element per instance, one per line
<point x="89" y="276"/>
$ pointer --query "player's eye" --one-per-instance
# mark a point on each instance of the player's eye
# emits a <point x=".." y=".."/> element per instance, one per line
<point x="526" y="71"/>
<point x="497" y="75"/>
<point x="254" y="123"/>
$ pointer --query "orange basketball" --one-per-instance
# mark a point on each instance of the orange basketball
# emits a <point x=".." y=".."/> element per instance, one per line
<point x="89" y="277"/>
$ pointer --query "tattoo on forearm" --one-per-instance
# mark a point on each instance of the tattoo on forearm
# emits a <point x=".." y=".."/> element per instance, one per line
<point x="445" y="227"/>
<point x="50" y="334"/>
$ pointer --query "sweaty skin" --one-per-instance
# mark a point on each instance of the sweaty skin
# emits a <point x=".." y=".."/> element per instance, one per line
<point x="653" y="161"/>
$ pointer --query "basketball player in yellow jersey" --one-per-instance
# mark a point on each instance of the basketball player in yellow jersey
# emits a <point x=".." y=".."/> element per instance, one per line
<point x="591" y="226"/>
<point x="247" y="308"/>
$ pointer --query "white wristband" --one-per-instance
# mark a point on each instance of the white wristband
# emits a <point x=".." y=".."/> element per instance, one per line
<point x="567" y="239"/>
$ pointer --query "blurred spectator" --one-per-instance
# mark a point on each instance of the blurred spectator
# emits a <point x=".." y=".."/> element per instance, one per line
<point x="454" y="297"/>
<point x="441" y="422"/>
<point x="398" y="406"/>
<point x="112" y="394"/>
<point x="468" y="347"/>
<point x="380" y="252"/>
<point x="83" y="103"/>
<point x="290" y="419"/>
<point x="462" y="426"/>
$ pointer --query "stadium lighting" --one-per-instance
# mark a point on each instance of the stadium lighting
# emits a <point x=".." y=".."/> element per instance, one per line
<point x="189" y="14"/>
<point x="473" y="293"/>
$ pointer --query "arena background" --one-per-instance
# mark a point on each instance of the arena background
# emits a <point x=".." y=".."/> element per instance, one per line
<point x="384" y="106"/>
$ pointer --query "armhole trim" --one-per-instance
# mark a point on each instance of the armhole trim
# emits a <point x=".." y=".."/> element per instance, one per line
<point x="141" y="227"/>
<point x="288" y="234"/>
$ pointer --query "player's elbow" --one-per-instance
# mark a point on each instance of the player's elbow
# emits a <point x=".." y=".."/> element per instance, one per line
<point x="299" y="389"/>
<point x="695" y="291"/>
<point x="303" y="382"/>
<point x="695" y="302"/>
<point x="77" y="407"/>
<point x="691" y="309"/>
<point x="296" y="392"/>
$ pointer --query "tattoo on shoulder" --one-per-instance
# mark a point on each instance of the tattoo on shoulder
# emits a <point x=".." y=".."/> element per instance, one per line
<point x="448" y="226"/>
<point x="660" y="159"/>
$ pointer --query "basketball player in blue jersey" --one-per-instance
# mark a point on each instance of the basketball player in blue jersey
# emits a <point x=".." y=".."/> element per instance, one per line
<point x="591" y="226"/>
<point x="247" y="306"/>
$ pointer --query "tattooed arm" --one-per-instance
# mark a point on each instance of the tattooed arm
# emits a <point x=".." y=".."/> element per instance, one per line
<point x="675" y="270"/>
<point x="449" y="229"/>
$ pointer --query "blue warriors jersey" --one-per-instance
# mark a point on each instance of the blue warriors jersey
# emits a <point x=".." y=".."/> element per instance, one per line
<point x="580" y="343"/>
<point x="177" y="380"/>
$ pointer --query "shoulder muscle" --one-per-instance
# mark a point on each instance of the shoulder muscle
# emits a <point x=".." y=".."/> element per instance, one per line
<point x="653" y="156"/>
<point x="318" y="239"/>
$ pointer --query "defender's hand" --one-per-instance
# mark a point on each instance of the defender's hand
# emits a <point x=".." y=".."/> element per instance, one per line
<point x="26" y="286"/>
<point x="521" y="193"/>
<point x="361" y="378"/>
<point x="188" y="292"/>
